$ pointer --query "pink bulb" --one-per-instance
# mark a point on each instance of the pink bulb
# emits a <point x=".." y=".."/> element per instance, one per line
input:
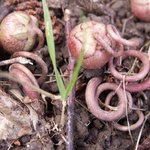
<point x="141" y="9"/>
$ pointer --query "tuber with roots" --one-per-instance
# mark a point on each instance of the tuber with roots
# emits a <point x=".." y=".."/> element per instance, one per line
<point x="20" y="32"/>
<point x="99" y="41"/>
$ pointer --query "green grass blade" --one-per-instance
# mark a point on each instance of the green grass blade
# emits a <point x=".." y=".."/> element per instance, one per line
<point x="51" y="47"/>
<point x="60" y="84"/>
<point x="75" y="75"/>
<point x="49" y="33"/>
<point x="78" y="66"/>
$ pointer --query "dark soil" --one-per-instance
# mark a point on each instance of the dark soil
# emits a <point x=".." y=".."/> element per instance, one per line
<point x="90" y="132"/>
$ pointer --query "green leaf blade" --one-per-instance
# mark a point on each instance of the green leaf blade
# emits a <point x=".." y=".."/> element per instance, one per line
<point x="49" y="33"/>
<point x="60" y="84"/>
<point x="75" y="75"/>
<point x="51" y="47"/>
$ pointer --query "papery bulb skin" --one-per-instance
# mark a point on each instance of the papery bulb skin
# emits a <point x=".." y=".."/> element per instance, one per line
<point x="17" y="32"/>
<point x="141" y="9"/>
<point x="95" y="57"/>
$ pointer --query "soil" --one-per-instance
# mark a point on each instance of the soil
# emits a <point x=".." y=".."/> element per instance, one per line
<point x="90" y="133"/>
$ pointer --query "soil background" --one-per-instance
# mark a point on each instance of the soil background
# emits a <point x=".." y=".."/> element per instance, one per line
<point x="90" y="132"/>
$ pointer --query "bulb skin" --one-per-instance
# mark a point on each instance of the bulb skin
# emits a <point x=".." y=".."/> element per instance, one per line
<point x="18" y="32"/>
<point x="141" y="9"/>
<point x="95" y="56"/>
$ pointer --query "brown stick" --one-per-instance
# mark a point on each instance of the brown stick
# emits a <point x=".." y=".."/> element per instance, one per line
<point x="71" y="98"/>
